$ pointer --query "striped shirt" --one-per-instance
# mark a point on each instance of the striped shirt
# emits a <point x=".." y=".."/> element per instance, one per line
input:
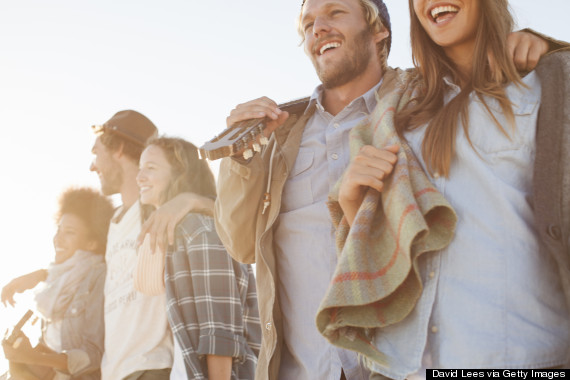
<point x="211" y="301"/>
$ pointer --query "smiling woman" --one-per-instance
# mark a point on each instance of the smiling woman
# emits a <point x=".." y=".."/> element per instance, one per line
<point x="71" y="301"/>
<point x="494" y="297"/>
<point x="211" y="299"/>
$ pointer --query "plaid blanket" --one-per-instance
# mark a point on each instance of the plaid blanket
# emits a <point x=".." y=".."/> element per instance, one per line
<point x="377" y="281"/>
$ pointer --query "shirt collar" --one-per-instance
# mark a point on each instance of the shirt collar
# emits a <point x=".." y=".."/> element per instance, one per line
<point x="449" y="82"/>
<point x="369" y="98"/>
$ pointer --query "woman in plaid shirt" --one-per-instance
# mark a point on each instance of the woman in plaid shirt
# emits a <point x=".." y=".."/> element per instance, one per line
<point x="211" y="299"/>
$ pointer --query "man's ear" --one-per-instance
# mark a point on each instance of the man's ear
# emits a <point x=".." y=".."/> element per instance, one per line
<point x="119" y="152"/>
<point x="381" y="35"/>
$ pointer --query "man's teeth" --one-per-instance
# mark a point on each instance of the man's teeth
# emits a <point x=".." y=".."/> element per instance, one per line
<point x="330" y="45"/>
<point x="435" y="12"/>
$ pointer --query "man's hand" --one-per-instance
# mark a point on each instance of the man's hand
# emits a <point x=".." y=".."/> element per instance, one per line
<point x="21" y="284"/>
<point x="257" y="109"/>
<point x="162" y="222"/>
<point x="368" y="169"/>
<point x="526" y="49"/>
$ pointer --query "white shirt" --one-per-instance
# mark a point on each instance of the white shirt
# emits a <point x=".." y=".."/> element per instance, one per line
<point x="137" y="335"/>
<point x="178" y="367"/>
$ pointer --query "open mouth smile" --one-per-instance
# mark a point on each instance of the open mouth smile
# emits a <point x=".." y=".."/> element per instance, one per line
<point x="328" y="46"/>
<point x="443" y="13"/>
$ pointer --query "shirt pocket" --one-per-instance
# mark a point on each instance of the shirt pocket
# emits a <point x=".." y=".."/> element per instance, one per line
<point x="508" y="156"/>
<point x="297" y="191"/>
<point x="489" y="139"/>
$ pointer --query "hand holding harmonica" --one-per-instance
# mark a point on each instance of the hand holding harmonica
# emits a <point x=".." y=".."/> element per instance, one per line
<point x="249" y="126"/>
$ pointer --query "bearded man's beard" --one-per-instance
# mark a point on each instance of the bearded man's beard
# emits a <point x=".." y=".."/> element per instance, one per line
<point x="349" y="66"/>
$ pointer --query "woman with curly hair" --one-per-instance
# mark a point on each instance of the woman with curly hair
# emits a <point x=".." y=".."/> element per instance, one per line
<point x="71" y="300"/>
<point x="211" y="299"/>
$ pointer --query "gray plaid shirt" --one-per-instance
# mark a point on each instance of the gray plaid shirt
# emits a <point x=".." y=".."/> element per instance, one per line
<point x="211" y="301"/>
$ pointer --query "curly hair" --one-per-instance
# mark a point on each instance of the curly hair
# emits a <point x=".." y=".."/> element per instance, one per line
<point x="189" y="172"/>
<point x="94" y="209"/>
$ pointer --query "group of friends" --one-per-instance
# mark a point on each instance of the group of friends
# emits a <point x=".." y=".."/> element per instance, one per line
<point x="401" y="220"/>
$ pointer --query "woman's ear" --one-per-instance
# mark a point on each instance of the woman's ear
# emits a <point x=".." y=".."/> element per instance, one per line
<point x="92" y="245"/>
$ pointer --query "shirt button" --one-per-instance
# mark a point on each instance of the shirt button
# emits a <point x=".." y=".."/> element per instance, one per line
<point x="268" y="326"/>
<point x="436" y="175"/>
<point x="431" y="274"/>
<point x="434" y="329"/>
<point x="336" y="125"/>
<point x="334" y="156"/>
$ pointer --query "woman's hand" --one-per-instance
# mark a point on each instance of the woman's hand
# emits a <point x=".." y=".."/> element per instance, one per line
<point x="21" y="284"/>
<point x="21" y="352"/>
<point x="368" y="169"/>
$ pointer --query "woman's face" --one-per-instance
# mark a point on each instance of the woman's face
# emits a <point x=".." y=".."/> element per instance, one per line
<point x="72" y="234"/>
<point x="154" y="176"/>
<point x="451" y="24"/>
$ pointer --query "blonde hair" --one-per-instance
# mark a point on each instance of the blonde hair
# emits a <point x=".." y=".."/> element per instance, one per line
<point x="492" y="70"/>
<point x="374" y="22"/>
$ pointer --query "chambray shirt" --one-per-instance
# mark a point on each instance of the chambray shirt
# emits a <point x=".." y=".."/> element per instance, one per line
<point x="304" y="241"/>
<point x="489" y="300"/>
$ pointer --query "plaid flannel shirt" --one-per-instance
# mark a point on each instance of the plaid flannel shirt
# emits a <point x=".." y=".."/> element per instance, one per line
<point x="211" y="301"/>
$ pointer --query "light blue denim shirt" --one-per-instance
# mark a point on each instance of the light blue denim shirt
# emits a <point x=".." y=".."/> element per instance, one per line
<point x="489" y="299"/>
<point x="304" y="243"/>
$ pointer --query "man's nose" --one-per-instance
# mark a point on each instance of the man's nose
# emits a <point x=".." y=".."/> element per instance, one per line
<point x="320" y="26"/>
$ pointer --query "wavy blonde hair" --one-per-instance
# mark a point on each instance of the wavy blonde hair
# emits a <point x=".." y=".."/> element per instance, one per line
<point x="189" y="172"/>
<point x="492" y="69"/>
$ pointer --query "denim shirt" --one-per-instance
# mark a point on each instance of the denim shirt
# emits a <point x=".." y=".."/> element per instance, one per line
<point x="489" y="299"/>
<point x="304" y="243"/>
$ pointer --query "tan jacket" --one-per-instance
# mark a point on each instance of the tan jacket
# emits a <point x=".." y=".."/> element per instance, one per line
<point x="248" y="234"/>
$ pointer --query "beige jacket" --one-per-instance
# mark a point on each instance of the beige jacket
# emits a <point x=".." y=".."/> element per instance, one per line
<point x="248" y="234"/>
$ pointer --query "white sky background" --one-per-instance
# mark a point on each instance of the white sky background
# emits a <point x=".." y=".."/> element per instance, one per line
<point x="68" y="64"/>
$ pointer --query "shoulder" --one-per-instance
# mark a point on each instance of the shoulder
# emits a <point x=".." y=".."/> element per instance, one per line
<point x="554" y="67"/>
<point x="195" y="224"/>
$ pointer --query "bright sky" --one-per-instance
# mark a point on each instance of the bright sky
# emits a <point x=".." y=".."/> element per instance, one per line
<point x="68" y="64"/>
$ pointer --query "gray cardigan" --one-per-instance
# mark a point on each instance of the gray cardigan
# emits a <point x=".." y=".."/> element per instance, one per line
<point x="552" y="163"/>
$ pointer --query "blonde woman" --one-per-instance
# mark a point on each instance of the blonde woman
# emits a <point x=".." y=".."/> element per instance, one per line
<point x="211" y="299"/>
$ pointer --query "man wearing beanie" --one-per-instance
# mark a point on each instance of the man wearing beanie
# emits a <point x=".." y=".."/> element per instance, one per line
<point x="294" y="247"/>
<point x="271" y="207"/>
<point x="138" y="341"/>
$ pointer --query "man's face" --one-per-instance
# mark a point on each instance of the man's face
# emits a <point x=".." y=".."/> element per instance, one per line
<point x="107" y="168"/>
<point x="338" y="40"/>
